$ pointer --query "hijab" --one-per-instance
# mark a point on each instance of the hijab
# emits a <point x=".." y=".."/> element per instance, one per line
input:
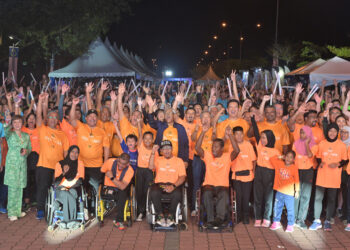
<point x="300" y="144"/>
<point x="329" y="127"/>
<point x="347" y="141"/>
<point x="270" y="138"/>
<point x="73" y="165"/>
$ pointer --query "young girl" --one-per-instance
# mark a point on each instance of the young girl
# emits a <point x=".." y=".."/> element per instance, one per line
<point x="287" y="186"/>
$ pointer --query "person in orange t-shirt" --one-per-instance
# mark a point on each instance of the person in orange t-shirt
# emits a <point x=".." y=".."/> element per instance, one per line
<point x="332" y="156"/>
<point x="118" y="175"/>
<point x="69" y="175"/>
<point x="216" y="180"/>
<point x="243" y="168"/>
<point x="170" y="175"/>
<point x="286" y="185"/>
<point x="53" y="148"/>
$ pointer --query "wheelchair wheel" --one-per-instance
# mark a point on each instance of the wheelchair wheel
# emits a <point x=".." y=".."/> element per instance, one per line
<point x="99" y="206"/>
<point x="133" y="203"/>
<point x="234" y="216"/>
<point x="149" y="215"/>
<point x="185" y="206"/>
<point x="50" y="206"/>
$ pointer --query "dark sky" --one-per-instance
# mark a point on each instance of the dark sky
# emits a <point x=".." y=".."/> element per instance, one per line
<point x="177" y="32"/>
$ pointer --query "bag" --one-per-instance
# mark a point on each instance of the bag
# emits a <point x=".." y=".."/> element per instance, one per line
<point x="243" y="173"/>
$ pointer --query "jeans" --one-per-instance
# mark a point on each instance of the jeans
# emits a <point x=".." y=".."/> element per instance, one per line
<point x="29" y="190"/>
<point x="222" y="198"/>
<point x="93" y="176"/>
<point x="280" y="201"/>
<point x="243" y="190"/>
<point x="120" y="198"/>
<point x="263" y="192"/>
<point x="144" y="179"/>
<point x="198" y="172"/>
<point x="44" y="179"/>
<point x="301" y="204"/>
<point x="3" y="189"/>
<point x="331" y="198"/>
<point x="157" y="193"/>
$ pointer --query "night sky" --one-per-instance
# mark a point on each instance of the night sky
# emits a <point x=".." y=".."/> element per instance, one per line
<point x="177" y="32"/>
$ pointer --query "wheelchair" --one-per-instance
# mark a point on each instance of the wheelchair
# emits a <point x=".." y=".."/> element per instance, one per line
<point x="105" y="204"/>
<point x="231" y="216"/>
<point x="181" y="214"/>
<point x="55" y="216"/>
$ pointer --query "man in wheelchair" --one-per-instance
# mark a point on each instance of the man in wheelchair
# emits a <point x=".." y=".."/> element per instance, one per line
<point x="69" y="175"/>
<point x="118" y="174"/>
<point x="216" y="181"/>
<point x="170" y="175"/>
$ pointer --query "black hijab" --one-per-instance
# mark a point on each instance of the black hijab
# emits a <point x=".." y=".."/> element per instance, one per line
<point x="73" y="165"/>
<point x="270" y="138"/>
<point x="329" y="127"/>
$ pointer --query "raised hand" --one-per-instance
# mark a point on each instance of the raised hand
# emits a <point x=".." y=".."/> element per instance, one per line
<point x="65" y="88"/>
<point x="198" y="88"/>
<point x="113" y="96"/>
<point x="233" y="75"/>
<point x="266" y="98"/>
<point x="89" y="87"/>
<point x="343" y="88"/>
<point x="155" y="148"/>
<point x="302" y="109"/>
<point x="299" y="88"/>
<point x="146" y="89"/>
<point x="104" y="85"/>
<point x="41" y="96"/>
<point x="121" y="89"/>
<point x="75" y="101"/>
<point x="318" y="99"/>
<point x="228" y="131"/>
<point x="139" y="101"/>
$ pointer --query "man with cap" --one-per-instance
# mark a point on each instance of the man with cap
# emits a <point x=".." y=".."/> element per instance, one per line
<point x="170" y="175"/>
<point x="93" y="143"/>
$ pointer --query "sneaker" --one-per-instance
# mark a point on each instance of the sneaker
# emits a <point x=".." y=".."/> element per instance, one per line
<point x="257" y="223"/>
<point x="339" y="212"/>
<point x="139" y="218"/>
<point x="23" y="214"/>
<point x="160" y="221"/>
<point x="327" y="226"/>
<point x="301" y="225"/>
<point x="290" y="229"/>
<point x="347" y="227"/>
<point x="276" y="225"/>
<point x="332" y="221"/>
<point x="13" y="218"/>
<point x="26" y="207"/>
<point x="315" y="225"/>
<point x="266" y="223"/>
<point x="40" y="215"/>
<point x="170" y="221"/>
<point x="3" y="210"/>
<point x="194" y="213"/>
<point x="119" y="225"/>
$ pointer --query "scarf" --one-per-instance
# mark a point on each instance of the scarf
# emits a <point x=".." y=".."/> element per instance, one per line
<point x="300" y="144"/>
<point x="73" y="165"/>
<point x="347" y="141"/>
<point x="330" y="126"/>
<point x="270" y="138"/>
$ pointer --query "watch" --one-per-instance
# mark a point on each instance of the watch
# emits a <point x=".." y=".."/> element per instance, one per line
<point x="112" y="178"/>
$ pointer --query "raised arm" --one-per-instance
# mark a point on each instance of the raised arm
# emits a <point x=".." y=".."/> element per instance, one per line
<point x="235" y="151"/>
<point x="104" y="87"/>
<point x="65" y="88"/>
<point x="199" y="142"/>
<point x="9" y="101"/>
<point x="298" y="90"/>
<point x="88" y="91"/>
<point x="72" y="117"/>
<point x="121" y="91"/>
<point x="39" y="110"/>
<point x="234" y="85"/>
<point x="346" y="105"/>
<point x="265" y="99"/>
<point x="291" y="121"/>
<point x="151" y="159"/>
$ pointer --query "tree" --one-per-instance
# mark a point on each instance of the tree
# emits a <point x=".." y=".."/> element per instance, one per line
<point x="311" y="52"/>
<point x="341" y="51"/>
<point x="286" y="52"/>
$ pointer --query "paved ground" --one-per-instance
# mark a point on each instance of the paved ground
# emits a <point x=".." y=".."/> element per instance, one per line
<point x="28" y="233"/>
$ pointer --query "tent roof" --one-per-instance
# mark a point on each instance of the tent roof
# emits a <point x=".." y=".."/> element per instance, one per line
<point x="98" y="61"/>
<point x="210" y="75"/>
<point x="308" y="68"/>
<point x="334" y="69"/>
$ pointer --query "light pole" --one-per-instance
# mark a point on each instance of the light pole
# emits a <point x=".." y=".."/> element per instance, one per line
<point x="13" y="59"/>
<point x="240" y="46"/>
<point x="275" y="56"/>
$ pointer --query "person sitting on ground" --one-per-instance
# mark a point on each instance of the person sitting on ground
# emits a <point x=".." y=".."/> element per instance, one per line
<point x="170" y="175"/>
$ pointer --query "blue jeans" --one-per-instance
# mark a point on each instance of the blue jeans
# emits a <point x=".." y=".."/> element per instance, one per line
<point x="198" y="171"/>
<point x="280" y="201"/>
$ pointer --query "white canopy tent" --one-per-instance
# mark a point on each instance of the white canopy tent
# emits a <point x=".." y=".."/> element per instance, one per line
<point x="98" y="61"/>
<point x="306" y="69"/>
<point x="334" y="69"/>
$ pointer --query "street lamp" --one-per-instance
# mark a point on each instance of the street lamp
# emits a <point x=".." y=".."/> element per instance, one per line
<point x="215" y="37"/>
<point x="206" y="52"/>
<point x="209" y="46"/>
<point x="258" y="25"/>
<point x="223" y="24"/>
<point x="168" y="73"/>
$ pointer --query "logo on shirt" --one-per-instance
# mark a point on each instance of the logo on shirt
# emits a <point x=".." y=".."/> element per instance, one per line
<point x="284" y="174"/>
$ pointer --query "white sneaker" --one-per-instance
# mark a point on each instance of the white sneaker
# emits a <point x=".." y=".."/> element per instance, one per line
<point x="23" y="214"/>
<point x="13" y="218"/>
<point x="139" y="218"/>
<point x="194" y="213"/>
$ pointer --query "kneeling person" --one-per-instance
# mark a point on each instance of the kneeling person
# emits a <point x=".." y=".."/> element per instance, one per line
<point x="170" y="175"/>
<point x="118" y="176"/>
<point x="216" y="181"/>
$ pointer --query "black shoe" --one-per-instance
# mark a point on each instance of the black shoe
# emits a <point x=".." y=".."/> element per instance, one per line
<point x="219" y="222"/>
<point x="246" y="220"/>
<point x="302" y="225"/>
<point x="210" y="224"/>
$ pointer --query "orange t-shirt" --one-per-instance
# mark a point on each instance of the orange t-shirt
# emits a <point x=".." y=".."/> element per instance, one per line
<point x="244" y="161"/>
<point x="147" y="128"/>
<point x="296" y="132"/>
<point x="280" y="132"/>
<point x="126" y="128"/>
<point x="70" y="132"/>
<point x="330" y="153"/>
<point x="34" y="138"/>
<point x="189" y="127"/>
<point x="144" y="156"/>
<point x="170" y="133"/>
<point x="91" y="142"/>
<point x="80" y="173"/>
<point x="303" y="161"/>
<point x="108" y="127"/>
<point x="207" y="140"/>
<point x="264" y="155"/>
<point x="115" y="147"/>
<point x="169" y="170"/>
<point x="317" y="134"/>
<point x="217" y="169"/>
<point x="53" y="143"/>
<point x="108" y="165"/>
<point x="286" y="177"/>
<point x="221" y="127"/>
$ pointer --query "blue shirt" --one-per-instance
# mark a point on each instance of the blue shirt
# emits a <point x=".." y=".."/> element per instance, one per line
<point x="223" y="102"/>
<point x="133" y="155"/>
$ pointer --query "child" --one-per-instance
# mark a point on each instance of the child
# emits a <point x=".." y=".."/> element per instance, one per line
<point x="287" y="186"/>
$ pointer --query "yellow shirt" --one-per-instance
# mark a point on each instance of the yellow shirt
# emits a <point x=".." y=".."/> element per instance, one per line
<point x="170" y="133"/>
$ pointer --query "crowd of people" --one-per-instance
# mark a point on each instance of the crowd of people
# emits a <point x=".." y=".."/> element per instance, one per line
<point x="276" y="150"/>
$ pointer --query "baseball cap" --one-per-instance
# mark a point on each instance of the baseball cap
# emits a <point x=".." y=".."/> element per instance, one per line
<point x="166" y="143"/>
<point x="92" y="111"/>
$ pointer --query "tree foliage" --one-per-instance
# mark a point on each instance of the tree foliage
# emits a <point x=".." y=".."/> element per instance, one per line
<point x="286" y="51"/>
<point x="341" y="51"/>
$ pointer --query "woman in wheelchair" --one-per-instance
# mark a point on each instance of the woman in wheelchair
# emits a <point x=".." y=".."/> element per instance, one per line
<point x="69" y="175"/>
<point x="118" y="174"/>
<point x="170" y="175"/>
<point x="216" y="181"/>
